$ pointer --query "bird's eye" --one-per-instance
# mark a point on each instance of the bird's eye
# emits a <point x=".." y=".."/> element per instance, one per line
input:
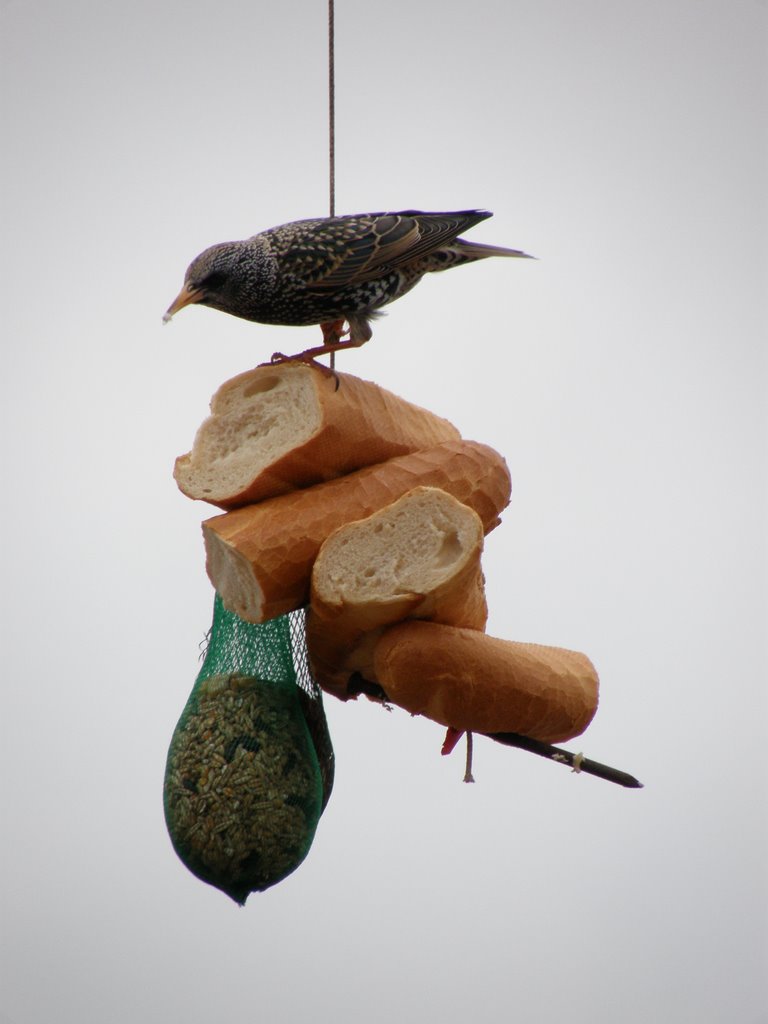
<point x="214" y="280"/>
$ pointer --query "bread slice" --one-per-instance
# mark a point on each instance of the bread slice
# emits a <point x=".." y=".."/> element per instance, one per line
<point x="417" y="557"/>
<point x="478" y="683"/>
<point x="278" y="428"/>
<point x="259" y="558"/>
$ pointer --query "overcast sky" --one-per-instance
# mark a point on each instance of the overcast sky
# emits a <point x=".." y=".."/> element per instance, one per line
<point x="623" y="377"/>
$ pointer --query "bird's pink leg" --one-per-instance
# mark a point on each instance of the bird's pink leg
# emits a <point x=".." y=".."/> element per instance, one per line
<point x="332" y="334"/>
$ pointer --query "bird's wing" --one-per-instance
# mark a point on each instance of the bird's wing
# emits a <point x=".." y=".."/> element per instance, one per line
<point x="345" y="250"/>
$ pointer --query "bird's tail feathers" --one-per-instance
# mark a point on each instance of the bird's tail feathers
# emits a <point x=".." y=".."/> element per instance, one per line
<point x="478" y="251"/>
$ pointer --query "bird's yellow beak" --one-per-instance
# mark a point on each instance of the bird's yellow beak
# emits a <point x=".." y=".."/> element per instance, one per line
<point x="188" y="294"/>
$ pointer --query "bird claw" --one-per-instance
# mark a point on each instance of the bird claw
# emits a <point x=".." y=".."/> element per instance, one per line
<point x="301" y="357"/>
<point x="278" y="359"/>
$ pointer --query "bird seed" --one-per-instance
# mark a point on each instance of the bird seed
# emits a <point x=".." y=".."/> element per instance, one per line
<point x="242" y="787"/>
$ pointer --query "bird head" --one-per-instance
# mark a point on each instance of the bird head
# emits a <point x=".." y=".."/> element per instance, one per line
<point x="209" y="279"/>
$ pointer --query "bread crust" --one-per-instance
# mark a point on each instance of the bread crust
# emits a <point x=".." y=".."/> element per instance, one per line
<point x="419" y="557"/>
<point x="476" y="683"/>
<point x="260" y="557"/>
<point x="277" y="428"/>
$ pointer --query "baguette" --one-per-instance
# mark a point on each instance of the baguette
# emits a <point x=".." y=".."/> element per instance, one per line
<point x="259" y="558"/>
<point x="278" y="428"/>
<point x="418" y="557"/>
<point x="477" y="683"/>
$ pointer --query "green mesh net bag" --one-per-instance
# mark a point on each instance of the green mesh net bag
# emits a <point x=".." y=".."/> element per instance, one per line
<point x="250" y="765"/>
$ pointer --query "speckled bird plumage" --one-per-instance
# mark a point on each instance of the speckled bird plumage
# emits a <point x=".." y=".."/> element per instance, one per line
<point x="331" y="270"/>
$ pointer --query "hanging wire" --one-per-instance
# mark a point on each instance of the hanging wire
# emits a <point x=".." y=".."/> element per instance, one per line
<point x="331" y="124"/>
<point x="331" y="110"/>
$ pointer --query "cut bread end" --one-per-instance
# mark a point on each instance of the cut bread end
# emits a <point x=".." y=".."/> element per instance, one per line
<point x="234" y="576"/>
<point x="402" y="552"/>
<point x="257" y="418"/>
<point x="280" y="538"/>
<point x="278" y="428"/>
<point x="417" y="557"/>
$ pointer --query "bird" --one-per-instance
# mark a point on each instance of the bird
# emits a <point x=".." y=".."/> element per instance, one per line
<point x="331" y="271"/>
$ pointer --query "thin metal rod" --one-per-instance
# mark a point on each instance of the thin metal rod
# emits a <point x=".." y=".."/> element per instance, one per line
<point x="579" y="763"/>
<point x="576" y="761"/>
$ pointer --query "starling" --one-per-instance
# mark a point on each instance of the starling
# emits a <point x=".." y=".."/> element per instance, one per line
<point x="330" y="270"/>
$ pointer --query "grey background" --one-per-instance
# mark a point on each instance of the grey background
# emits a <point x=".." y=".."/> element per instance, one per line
<point x="622" y="375"/>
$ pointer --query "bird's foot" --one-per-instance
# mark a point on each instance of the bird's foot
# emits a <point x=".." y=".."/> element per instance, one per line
<point x="307" y="359"/>
<point x="332" y="342"/>
<point x="300" y="357"/>
<point x="310" y="355"/>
